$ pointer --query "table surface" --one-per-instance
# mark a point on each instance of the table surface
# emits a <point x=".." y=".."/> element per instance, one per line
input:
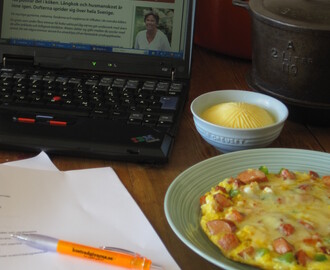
<point x="148" y="183"/>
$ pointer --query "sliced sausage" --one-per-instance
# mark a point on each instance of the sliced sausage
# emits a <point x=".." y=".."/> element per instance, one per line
<point x="247" y="252"/>
<point x="307" y="225"/>
<point x="286" y="174"/>
<point x="252" y="175"/>
<point x="302" y="257"/>
<point x="286" y="229"/>
<point x="281" y="245"/>
<point x="311" y="241"/>
<point x="222" y="201"/>
<point x="221" y="226"/>
<point x="236" y="183"/>
<point x="228" y="242"/>
<point x="305" y="187"/>
<point x="222" y="189"/>
<point x="325" y="250"/>
<point x="326" y="180"/>
<point x="234" y="215"/>
<point x="202" y="200"/>
<point x="313" y="175"/>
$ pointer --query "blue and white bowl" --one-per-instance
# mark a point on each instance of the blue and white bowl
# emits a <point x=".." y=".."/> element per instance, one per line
<point x="234" y="139"/>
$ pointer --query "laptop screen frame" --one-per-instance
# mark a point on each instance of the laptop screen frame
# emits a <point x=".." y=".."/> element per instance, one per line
<point x="99" y="61"/>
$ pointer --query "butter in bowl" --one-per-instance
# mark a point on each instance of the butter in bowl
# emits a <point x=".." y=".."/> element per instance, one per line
<point x="233" y="120"/>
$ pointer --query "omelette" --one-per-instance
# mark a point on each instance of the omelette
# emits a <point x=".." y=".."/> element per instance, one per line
<point x="270" y="220"/>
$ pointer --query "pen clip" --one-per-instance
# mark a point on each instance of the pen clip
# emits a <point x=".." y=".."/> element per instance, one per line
<point x="125" y="251"/>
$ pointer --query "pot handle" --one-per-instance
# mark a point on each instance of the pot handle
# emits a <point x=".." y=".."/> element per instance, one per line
<point x="241" y="3"/>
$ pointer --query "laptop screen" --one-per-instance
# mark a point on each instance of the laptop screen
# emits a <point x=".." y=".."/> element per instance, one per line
<point x="152" y="28"/>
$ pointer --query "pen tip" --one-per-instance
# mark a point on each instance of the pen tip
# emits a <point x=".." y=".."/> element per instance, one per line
<point x="155" y="267"/>
<point x="16" y="236"/>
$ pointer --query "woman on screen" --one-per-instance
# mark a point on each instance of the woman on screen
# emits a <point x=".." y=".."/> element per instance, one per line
<point x="152" y="38"/>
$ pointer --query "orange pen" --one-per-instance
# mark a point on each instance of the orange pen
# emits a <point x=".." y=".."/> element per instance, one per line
<point x="113" y="257"/>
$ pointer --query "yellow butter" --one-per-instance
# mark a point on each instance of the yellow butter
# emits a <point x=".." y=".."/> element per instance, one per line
<point x="238" y="115"/>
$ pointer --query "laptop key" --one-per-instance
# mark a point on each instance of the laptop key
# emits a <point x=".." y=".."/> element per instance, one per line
<point x="6" y="99"/>
<point x="135" y="118"/>
<point x="173" y="93"/>
<point x="149" y="84"/>
<point x="132" y="84"/>
<point x="169" y="102"/>
<point x="6" y="75"/>
<point x="36" y="100"/>
<point x="119" y="115"/>
<point x="61" y="80"/>
<point x="84" y="105"/>
<point x="165" y="120"/>
<point x="92" y="82"/>
<point x="177" y="87"/>
<point x="153" y="116"/>
<point x="149" y="122"/>
<point x="155" y="104"/>
<point x="6" y="83"/>
<point x="106" y="81"/>
<point x="74" y="81"/>
<point x="18" y="91"/>
<point x="100" y="113"/>
<point x="36" y="78"/>
<point x="5" y="90"/>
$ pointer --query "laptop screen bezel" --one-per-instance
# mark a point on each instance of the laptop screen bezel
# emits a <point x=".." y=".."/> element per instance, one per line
<point x="99" y="61"/>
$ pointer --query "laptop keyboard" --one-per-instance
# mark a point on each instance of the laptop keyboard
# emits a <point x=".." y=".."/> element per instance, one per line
<point x="134" y="101"/>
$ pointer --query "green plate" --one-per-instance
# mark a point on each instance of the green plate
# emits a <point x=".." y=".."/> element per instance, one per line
<point x="182" y="197"/>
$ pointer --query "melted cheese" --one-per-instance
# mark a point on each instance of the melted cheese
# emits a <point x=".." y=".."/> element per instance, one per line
<point x="303" y="203"/>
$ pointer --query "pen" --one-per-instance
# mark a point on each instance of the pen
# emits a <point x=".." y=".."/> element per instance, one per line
<point x="46" y="243"/>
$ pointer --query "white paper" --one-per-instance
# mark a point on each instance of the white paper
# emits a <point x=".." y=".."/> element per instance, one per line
<point x="41" y="162"/>
<point x="90" y="207"/>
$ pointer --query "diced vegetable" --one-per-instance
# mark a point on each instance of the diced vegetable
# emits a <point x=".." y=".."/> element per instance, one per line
<point x="320" y="257"/>
<point x="287" y="257"/>
<point x="326" y="240"/>
<point x="264" y="169"/>
<point x="233" y="192"/>
<point x="281" y="170"/>
<point x="261" y="252"/>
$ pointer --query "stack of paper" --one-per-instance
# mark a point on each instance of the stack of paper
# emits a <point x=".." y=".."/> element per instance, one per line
<point x="90" y="207"/>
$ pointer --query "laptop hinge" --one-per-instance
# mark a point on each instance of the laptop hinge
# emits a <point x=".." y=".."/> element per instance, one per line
<point x="173" y="74"/>
<point x="12" y="60"/>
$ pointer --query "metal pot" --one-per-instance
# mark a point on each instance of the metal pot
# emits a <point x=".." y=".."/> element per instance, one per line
<point x="291" y="54"/>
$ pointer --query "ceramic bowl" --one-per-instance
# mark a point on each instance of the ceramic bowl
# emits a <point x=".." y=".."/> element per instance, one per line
<point x="234" y="139"/>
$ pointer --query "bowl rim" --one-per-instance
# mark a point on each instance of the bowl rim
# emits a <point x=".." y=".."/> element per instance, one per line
<point x="248" y="92"/>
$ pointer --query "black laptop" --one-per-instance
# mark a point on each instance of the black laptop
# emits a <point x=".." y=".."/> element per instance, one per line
<point x="91" y="78"/>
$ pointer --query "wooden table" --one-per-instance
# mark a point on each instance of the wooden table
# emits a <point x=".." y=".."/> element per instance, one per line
<point x="148" y="184"/>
